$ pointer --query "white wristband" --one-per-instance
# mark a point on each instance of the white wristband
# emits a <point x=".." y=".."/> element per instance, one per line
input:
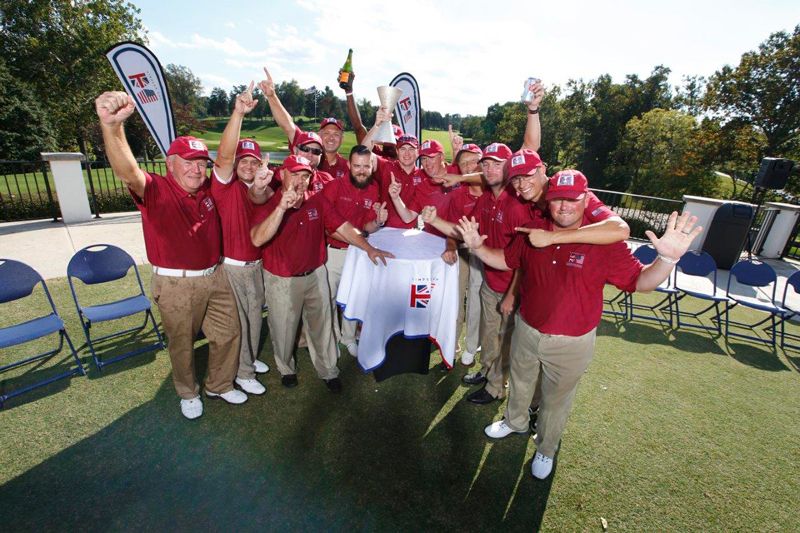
<point x="668" y="260"/>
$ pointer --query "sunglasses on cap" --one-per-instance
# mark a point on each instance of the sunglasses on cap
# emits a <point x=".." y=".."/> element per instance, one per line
<point x="306" y="149"/>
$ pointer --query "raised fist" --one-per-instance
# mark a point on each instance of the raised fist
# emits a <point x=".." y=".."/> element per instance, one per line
<point x="114" y="107"/>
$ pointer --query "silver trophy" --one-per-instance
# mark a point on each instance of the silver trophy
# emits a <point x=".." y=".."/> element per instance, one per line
<point x="388" y="97"/>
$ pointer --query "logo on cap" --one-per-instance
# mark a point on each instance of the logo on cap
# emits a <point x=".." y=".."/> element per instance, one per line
<point x="194" y="144"/>
<point x="567" y="180"/>
<point x="492" y="148"/>
<point x="302" y="160"/>
<point x="517" y="160"/>
<point x="426" y="145"/>
<point x="248" y="145"/>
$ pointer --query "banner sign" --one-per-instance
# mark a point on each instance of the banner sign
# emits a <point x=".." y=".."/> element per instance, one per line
<point x="408" y="110"/>
<point x="143" y="78"/>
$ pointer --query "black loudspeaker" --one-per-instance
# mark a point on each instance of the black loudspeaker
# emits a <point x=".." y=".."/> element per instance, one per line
<point x="774" y="172"/>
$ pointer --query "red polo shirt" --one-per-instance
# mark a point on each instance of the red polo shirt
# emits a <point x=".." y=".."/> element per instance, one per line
<point x="338" y="170"/>
<point x="383" y="175"/>
<point x="299" y="244"/>
<point x="462" y="204"/>
<point x="181" y="230"/>
<point x="561" y="290"/>
<point x="235" y="210"/>
<point x="430" y="193"/>
<point x="352" y="203"/>
<point x="497" y="218"/>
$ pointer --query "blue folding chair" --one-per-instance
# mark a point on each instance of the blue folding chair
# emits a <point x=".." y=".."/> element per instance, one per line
<point x="696" y="276"/>
<point x="17" y="281"/>
<point x="790" y="309"/>
<point x="103" y="263"/>
<point x="646" y="254"/>
<point x="756" y="275"/>
<point x="618" y="301"/>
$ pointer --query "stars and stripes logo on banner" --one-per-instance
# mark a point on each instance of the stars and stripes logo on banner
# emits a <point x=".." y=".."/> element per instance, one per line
<point x="420" y="295"/>
<point x="140" y="81"/>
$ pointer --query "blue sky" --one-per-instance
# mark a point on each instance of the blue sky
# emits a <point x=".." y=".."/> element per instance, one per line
<point x="465" y="55"/>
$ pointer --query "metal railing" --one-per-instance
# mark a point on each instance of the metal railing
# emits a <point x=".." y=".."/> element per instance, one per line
<point x="107" y="194"/>
<point x="642" y="213"/>
<point x="26" y="192"/>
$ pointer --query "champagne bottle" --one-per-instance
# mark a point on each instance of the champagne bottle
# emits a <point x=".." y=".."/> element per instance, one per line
<point x="346" y="74"/>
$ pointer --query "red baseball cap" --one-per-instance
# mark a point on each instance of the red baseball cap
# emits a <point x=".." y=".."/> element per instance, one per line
<point x="567" y="184"/>
<point x="188" y="147"/>
<point x="430" y="148"/>
<point x="330" y="120"/>
<point x="295" y="163"/>
<point x="471" y="148"/>
<point x="407" y="139"/>
<point x="496" y="151"/>
<point x="307" y="137"/>
<point x="522" y="163"/>
<point x="248" y="148"/>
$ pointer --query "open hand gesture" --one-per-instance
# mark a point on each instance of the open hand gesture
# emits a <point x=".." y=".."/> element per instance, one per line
<point x="114" y="107"/>
<point x="678" y="236"/>
<point x="468" y="227"/>
<point x="375" y="255"/>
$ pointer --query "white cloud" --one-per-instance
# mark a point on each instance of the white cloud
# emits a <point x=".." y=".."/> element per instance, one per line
<point x="230" y="24"/>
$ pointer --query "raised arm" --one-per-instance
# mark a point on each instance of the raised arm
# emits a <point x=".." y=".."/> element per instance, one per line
<point x="353" y="113"/>
<point x="394" y="194"/>
<point x="430" y="216"/>
<point x="533" y="130"/>
<point x="350" y="234"/>
<point x="226" y="153"/>
<point x="279" y="113"/>
<point x="113" y="108"/>
<point x="263" y="232"/>
<point x="381" y="116"/>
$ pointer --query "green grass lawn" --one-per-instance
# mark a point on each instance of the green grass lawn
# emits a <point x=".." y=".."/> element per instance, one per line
<point x="671" y="431"/>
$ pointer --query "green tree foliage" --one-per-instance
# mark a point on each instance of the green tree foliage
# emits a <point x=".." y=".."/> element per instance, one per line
<point x="217" y="103"/>
<point x="658" y="152"/>
<point x="25" y="128"/>
<point x="57" y="48"/>
<point x="185" y="92"/>
<point x="763" y="90"/>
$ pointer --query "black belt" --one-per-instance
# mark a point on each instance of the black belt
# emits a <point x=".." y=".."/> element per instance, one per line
<point x="303" y="274"/>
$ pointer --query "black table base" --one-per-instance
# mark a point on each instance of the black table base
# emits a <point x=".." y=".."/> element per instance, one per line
<point x="404" y="356"/>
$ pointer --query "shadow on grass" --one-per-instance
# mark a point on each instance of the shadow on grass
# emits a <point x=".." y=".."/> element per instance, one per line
<point x="298" y="459"/>
<point x="694" y="341"/>
<point x="760" y="356"/>
<point x="37" y="372"/>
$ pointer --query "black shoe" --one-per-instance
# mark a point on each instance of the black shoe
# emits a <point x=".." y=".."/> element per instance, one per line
<point x="476" y="378"/>
<point x="334" y="385"/>
<point x="289" y="381"/>
<point x="534" y="415"/>
<point x="443" y="367"/>
<point x="481" y="397"/>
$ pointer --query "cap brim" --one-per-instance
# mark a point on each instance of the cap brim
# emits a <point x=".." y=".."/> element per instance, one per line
<point x="569" y="195"/>
<point x="493" y="158"/>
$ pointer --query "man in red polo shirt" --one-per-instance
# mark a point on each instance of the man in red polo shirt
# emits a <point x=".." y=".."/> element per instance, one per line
<point x="184" y="243"/>
<point x="355" y="198"/>
<point x="400" y="175"/>
<point x="292" y="232"/>
<point x="233" y="180"/>
<point x="561" y="302"/>
<point x="498" y="213"/>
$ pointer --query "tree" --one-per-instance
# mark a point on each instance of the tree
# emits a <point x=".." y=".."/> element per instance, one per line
<point x="25" y="128"/>
<point x="185" y="91"/>
<point x="658" y="154"/>
<point x="57" y="48"/>
<point x="763" y="90"/>
<point x="217" y="103"/>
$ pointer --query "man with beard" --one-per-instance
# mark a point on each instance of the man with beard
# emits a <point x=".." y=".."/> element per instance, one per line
<point x="239" y="171"/>
<point x="561" y="305"/>
<point x="356" y="199"/>
<point x="292" y="231"/>
<point x="184" y="244"/>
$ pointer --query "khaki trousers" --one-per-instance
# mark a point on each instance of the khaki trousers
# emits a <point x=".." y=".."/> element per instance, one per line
<point x="289" y="299"/>
<point x="186" y="305"/>
<point x="495" y="334"/>
<point x="248" y="288"/>
<point x="346" y="333"/>
<point x="470" y="279"/>
<point x="559" y="362"/>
